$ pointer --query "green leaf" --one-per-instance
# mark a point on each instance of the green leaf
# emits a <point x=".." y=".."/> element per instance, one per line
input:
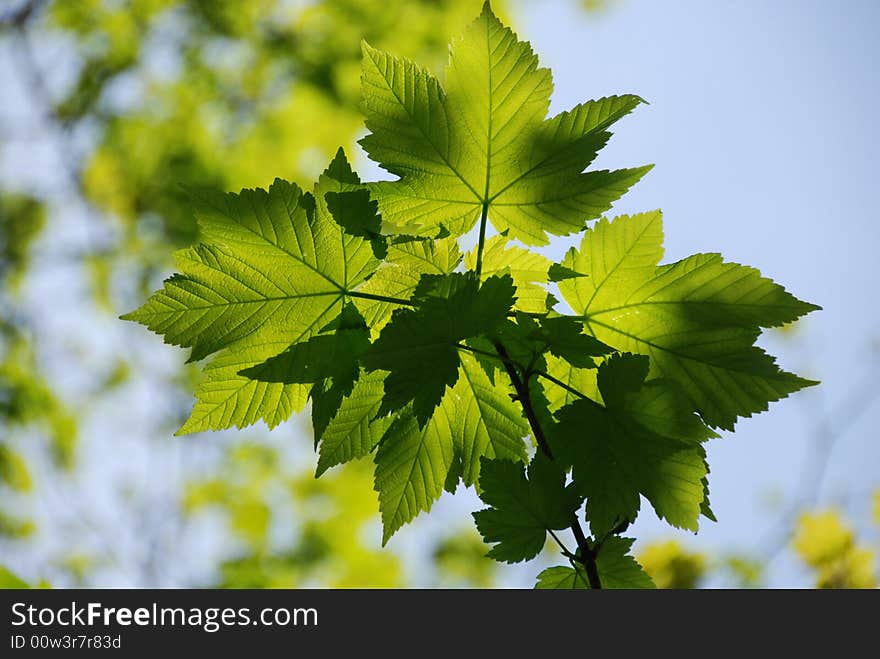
<point x="331" y="363"/>
<point x="522" y="511"/>
<point x="401" y="272"/>
<point x="484" y="421"/>
<point x="528" y="270"/>
<point x="225" y="399"/>
<point x="705" y="507"/>
<point x="474" y="420"/>
<point x="273" y="269"/>
<point x="358" y="215"/>
<point x="297" y="296"/>
<point x="337" y="368"/>
<point x="14" y="472"/>
<point x="412" y="465"/>
<point x="418" y="346"/>
<point x="484" y="142"/>
<point x="562" y="578"/>
<point x="616" y="568"/>
<point x="340" y="170"/>
<point x="557" y="272"/>
<point x="529" y="340"/>
<point x="322" y="356"/>
<point x="353" y="430"/>
<point x="582" y="380"/>
<point x="453" y="478"/>
<point x="696" y="319"/>
<point x="9" y="580"/>
<point x="565" y="338"/>
<point x="644" y="441"/>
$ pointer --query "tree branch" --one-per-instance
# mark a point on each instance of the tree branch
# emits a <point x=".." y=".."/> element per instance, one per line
<point x="588" y="556"/>
<point x="520" y="384"/>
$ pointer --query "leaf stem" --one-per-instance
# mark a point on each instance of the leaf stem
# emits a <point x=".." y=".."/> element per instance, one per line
<point x="565" y="551"/>
<point x="484" y="216"/>
<point x="477" y="351"/>
<point x="560" y="383"/>
<point x="379" y="298"/>
<point x="525" y="399"/>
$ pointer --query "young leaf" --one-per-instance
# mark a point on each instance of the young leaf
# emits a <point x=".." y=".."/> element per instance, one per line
<point x="286" y="291"/>
<point x="353" y="430"/>
<point x="359" y="215"/>
<point x="696" y="319"/>
<point x="262" y="270"/>
<point x="225" y="398"/>
<point x="483" y="142"/>
<point x="484" y="421"/>
<point x="644" y="441"/>
<point x="330" y="361"/>
<point x="528" y="270"/>
<point x="561" y="577"/>
<point x="322" y="356"/>
<point x="529" y="340"/>
<point x="582" y="380"/>
<point x="616" y="568"/>
<point x="264" y="276"/>
<point x="557" y="272"/>
<point x="418" y="346"/>
<point x="564" y="337"/>
<point x="412" y="466"/>
<point x="474" y="420"/>
<point x="522" y="511"/>
<point x="401" y="272"/>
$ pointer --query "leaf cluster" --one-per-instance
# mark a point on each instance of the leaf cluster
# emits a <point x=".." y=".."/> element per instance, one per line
<point x="356" y="296"/>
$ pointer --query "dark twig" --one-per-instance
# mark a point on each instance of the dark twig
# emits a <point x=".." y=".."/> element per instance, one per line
<point x="587" y="556"/>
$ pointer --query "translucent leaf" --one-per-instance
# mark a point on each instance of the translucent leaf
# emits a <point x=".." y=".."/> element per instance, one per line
<point x="696" y="319"/>
<point x="483" y="142"/>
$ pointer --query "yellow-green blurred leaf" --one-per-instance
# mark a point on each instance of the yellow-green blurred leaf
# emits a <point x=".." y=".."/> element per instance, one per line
<point x="821" y="537"/>
<point x="670" y="565"/>
<point x="14" y="471"/>
<point x="8" y="579"/>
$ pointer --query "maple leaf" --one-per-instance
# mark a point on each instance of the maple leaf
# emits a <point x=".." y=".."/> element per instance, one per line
<point x="645" y="440"/>
<point x="319" y="296"/>
<point x="412" y="465"/>
<point x="350" y="429"/>
<point x="616" y="568"/>
<point x="697" y="319"/>
<point x="475" y="420"/>
<point x="273" y="268"/>
<point x="484" y="421"/>
<point x="522" y="511"/>
<point x="332" y="355"/>
<point x="418" y="346"/>
<point x="531" y="341"/>
<point x="400" y="274"/>
<point x="528" y="270"/>
<point x="483" y="144"/>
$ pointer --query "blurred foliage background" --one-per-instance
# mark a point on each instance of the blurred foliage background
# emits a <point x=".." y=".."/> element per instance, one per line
<point x="111" y="108"/>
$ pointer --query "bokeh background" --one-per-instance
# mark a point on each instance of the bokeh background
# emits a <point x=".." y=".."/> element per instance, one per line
<point x="762" y="125"/>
